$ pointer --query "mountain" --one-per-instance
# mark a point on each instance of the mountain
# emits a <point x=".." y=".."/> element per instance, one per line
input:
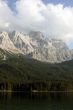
<point x="22" y="42"/>
<point x="35" y="45"/>
<point x="7" y="44"/>
<point x="50" y="50"/>
<point x="20" y="71"/>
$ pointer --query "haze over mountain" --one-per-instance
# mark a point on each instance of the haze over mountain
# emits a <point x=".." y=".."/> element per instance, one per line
<point x="35" y="45"/>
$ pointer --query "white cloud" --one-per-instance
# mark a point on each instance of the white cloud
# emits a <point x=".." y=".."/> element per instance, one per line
<point x="5" y="14"/>
<point x="53" y="20"/>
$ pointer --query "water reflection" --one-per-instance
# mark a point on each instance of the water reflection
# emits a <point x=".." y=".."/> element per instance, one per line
<point x="50" y="101"/>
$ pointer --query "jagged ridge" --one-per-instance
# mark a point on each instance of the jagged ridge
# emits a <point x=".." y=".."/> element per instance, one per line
<point x="36" y="45"/>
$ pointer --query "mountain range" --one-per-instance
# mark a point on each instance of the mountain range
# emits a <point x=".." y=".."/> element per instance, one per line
<point x="20" y="70"/>
<point x="34" y="45"/>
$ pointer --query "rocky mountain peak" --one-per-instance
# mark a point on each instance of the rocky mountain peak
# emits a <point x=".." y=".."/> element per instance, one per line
<point x="35" y="45"/>
<point x="7" y="44"/>
<point x="22" y="42"/>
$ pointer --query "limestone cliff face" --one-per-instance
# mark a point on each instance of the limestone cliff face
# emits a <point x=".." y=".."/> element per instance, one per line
<point x="22" y="42"/>
<point x="36" y="45"/>
<point x="49" y="50"/>
<point x="7" y="44"/>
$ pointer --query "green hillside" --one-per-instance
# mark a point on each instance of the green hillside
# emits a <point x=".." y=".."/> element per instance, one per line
<point x="22" y="73"/>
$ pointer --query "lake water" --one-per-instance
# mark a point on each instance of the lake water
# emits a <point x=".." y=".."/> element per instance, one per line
<point x="50" y="101"/>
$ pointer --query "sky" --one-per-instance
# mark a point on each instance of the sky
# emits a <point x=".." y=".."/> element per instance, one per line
<point x="54" y="18"/>
<point x="64" y="2"/>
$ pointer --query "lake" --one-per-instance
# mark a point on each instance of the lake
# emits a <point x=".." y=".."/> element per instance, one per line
<point x="49" y="101"/>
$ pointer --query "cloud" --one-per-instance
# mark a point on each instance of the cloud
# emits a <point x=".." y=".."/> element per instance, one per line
<point x="53" y="20"/>
<point x="29" y="13"/>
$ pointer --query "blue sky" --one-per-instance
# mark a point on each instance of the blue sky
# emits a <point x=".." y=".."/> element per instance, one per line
<point x="11" y="4"/>
<point x="64" y="2"/>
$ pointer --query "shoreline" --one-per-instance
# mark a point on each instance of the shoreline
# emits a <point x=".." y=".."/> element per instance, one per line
<point x="34" y="91"/>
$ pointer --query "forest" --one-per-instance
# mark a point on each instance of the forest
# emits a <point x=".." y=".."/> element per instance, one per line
<point x="22" y="74"/>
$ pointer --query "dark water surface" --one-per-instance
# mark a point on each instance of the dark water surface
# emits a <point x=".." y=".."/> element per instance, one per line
<point x="50" y="101"/>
